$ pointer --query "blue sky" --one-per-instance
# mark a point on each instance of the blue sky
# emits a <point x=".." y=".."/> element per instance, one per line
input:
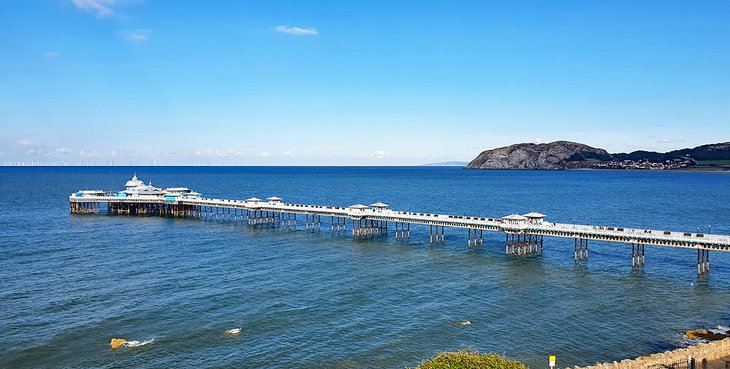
<point x="354" y="82"/>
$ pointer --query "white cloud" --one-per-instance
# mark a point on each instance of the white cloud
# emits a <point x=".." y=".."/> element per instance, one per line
<point x="63" y="151"/>
<point x="298" y="31"/>
<point x="217" y="153"/>
<point x="668" y="141"/>
<point x="102" y="8"/>
<point x="380" y="154"/>
<point x="265" y="154"/>
<point x="134" y="35"/>
<point x="51" y="54"/>
<point x="23" y="142"/>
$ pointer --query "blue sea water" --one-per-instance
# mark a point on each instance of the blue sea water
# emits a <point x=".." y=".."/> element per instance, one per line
<point x="70" y="283"/>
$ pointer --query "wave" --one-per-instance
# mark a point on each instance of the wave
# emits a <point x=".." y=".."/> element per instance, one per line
<point x="720" y="329"/>
<point x="138" y="343"/>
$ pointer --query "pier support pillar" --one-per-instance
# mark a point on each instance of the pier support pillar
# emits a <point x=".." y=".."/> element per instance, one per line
<point x="703" y="261"/>
<point x="637" y="255"/>
<point x="474" y="236"/>
<point x="580" y="249"/>
<point x="520" y="243"/>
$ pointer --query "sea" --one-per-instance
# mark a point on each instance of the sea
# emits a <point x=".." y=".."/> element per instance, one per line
<point x="69" y="283"/>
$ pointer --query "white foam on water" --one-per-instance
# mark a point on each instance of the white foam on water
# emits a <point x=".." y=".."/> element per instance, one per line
<point x="724" y="328"/>
<point x="233" y="331"/>
<point x="694" y="342"/>
<point x="138" y="343"/>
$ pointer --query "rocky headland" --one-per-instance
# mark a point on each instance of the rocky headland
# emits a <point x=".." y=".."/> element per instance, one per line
<point x="572" y="155"/>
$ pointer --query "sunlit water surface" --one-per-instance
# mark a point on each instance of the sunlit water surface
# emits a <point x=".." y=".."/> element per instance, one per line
<point x="312" y="299"/>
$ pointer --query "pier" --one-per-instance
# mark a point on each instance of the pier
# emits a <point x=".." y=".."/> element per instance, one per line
<point x="524" y="234"/>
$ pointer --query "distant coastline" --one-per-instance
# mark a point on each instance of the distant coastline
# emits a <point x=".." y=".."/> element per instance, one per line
<point x="446" y="164"/>
<point x="562" y="155"/>
<point x="685" y="170"/>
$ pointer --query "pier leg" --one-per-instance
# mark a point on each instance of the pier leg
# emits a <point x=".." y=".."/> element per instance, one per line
<point x="642" y="255"/>
<point x="533" y="246"/>
<point x="580" y="247"/>
<point x="633" y="257"/>
<point x="524" y="244"/>
<point x="699" y="262"/>
<point x="703" y="261"/>
<point x="637" y="255"/>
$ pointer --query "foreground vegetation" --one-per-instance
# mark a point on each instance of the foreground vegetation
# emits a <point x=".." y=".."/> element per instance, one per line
<point x="467" y="359"/>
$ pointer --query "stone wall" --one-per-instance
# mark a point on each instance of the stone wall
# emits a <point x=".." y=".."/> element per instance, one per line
<point x="710" y="351"/>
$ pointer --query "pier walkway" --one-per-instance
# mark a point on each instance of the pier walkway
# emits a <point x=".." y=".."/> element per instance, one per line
<point x="523" y="233"/>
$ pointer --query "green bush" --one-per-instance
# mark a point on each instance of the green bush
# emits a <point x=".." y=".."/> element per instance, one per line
<point x="467" y="359"/>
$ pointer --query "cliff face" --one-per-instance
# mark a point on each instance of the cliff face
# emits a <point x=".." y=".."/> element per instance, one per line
<point x="553" y="155"/>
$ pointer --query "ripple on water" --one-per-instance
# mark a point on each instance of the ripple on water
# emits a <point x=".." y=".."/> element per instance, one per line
<point x="313" y="299"/>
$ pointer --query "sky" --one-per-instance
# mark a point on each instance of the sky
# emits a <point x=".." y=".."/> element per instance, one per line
<point x="155" y="82"/>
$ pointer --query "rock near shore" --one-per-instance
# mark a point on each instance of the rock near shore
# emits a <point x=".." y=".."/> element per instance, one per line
<point x="553" y="155"/>
<point x="705" y="334"/>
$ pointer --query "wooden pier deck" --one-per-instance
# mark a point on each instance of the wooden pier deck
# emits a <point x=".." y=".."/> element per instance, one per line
<point x="523" y="234"/>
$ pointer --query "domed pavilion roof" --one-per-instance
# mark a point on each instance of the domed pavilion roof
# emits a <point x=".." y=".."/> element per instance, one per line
<point x="134" y="182"/>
